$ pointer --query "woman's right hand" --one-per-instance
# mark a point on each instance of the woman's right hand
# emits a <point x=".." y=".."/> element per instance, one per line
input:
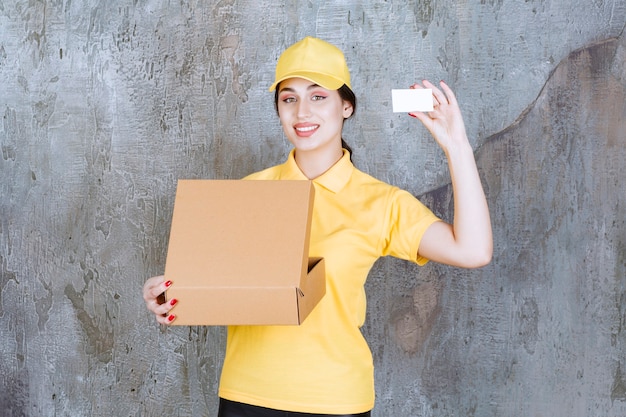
<point x="154" y="296"/>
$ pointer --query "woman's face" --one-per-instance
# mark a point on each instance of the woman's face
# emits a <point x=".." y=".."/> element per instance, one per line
<point x="312" y="116"/>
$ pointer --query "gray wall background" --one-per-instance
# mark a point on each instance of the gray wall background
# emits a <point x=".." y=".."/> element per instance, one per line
<point x="105" y="104"/>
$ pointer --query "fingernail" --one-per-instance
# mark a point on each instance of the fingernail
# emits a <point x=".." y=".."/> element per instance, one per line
<point x="171" y="318"/>
<point x="173" y="302"/>
<point x="412" y="115"/>
<point x="168" y="283"/>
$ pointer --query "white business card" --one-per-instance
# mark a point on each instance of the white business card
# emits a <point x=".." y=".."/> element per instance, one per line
<point x="412" y="99"/>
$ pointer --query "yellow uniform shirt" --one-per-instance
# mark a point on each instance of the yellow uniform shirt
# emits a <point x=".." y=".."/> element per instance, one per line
<point x="325" y="365"/>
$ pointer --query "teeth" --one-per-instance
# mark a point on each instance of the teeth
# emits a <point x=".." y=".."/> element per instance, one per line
<point x="306" y="129"/>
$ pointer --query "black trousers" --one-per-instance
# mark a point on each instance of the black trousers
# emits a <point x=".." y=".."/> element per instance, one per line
<point x="235" y="409"/>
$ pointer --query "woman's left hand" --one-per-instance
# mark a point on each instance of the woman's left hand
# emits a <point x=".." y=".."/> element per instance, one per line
<point x="468" y="242"/>
<point x="445" y="122"/>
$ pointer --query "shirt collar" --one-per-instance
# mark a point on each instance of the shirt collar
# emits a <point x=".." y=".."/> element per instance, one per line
<point x="334" y="179"/>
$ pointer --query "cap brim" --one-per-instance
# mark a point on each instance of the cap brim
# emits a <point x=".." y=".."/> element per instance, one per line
<point x="326" y="81"/>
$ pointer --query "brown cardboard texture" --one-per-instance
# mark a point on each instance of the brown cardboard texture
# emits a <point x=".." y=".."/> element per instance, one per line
<point x="239" y="253"/>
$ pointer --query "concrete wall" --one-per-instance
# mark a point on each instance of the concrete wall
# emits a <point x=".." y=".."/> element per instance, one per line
<point x="106" y="104"/>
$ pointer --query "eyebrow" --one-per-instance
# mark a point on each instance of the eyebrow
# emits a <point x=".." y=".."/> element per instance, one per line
<point x="291" y="90"/>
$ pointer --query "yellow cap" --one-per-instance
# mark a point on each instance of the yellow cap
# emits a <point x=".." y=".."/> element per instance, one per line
<point x="314" y="60"/>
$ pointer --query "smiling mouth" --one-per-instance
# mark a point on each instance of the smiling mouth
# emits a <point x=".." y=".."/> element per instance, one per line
<point x="307" y="128"/>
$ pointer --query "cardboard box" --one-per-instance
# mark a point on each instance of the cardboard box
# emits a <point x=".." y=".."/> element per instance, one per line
<point x="239" y="253"/>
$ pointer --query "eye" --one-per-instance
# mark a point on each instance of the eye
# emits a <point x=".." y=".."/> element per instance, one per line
<point x="288" y="99"/>
<point x="318" y="97"/>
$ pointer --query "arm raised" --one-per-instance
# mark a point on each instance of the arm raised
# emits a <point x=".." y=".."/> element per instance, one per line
<point x="468" y="242"/>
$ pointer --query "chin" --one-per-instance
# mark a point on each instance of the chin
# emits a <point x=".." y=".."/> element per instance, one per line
<point x="305" y="145"/>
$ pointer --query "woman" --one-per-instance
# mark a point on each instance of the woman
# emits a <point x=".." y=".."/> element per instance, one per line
<point x="324" y="366"/>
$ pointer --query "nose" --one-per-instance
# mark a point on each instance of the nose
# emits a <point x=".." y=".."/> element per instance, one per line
<point x="304" y="109"/>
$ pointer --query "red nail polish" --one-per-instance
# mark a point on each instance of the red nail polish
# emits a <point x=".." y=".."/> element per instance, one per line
<point x="173" y="302"/>
<point x="168" y="283"/>
<point x="412" y="115"/>
<point x="171" y="318"/>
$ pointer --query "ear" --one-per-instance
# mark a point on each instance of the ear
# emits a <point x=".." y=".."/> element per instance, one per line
<point x="347" y="109"/>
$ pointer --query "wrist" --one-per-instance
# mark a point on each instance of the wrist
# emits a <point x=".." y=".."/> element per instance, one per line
<point x="461" y="148"/>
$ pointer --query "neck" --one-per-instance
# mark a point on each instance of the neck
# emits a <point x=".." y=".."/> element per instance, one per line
<point x="316" y="162"/>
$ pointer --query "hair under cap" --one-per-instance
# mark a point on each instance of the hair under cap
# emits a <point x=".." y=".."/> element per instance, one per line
<point x="315" y="60"/>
